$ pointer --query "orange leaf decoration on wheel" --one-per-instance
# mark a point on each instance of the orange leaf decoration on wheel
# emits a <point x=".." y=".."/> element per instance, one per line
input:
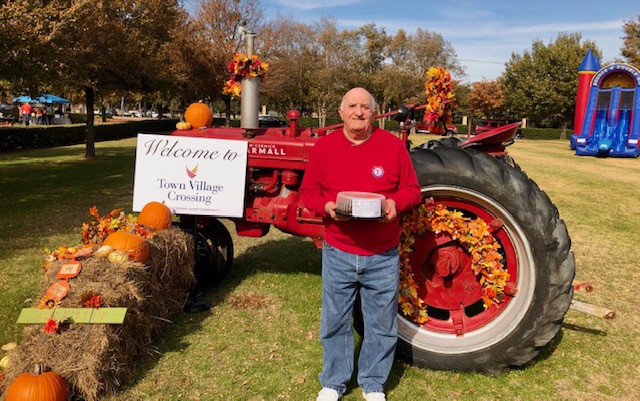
<point x="155" y="215"/>
<point x="37" y="386"/>
<point x="136" y="246"/>
<point x="198" y="115"/>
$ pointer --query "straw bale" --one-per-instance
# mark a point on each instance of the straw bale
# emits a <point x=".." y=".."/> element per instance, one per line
<point x="95" y="359"/>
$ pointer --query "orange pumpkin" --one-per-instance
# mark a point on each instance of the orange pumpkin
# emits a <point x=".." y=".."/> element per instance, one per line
<point x="136" y="246"/>
<point x="155" y="215"/>
<point x="198" y="115"/>
<point x="39" y="385"/>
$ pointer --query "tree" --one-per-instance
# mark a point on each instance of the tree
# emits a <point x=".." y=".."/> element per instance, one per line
<point x="215" y="40"/>
<point x="22" y="30"/>
<point x="291" y="50"/>
<point x="430" y="49"/>
<point x="462" y="92"/>
<point x="80" y="47"/>
<point x="414" y="55"/>
<point x="110" y="45"/>
<point x="486" y="99"/>
<point x="541" y="84"/>
<point x="328" y="76"/>
<point x="631" y="48"/>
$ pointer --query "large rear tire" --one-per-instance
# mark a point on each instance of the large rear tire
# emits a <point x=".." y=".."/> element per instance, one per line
<point x="462" y="335"/>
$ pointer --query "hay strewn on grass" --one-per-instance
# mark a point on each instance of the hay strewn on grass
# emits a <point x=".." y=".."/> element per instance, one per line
<point x="95" y="359"/>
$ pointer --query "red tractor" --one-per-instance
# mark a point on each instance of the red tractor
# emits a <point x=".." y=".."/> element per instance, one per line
<point x="475" y="177"/>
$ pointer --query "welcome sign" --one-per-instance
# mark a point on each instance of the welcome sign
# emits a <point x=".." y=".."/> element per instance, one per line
<point x="201" y="176"/>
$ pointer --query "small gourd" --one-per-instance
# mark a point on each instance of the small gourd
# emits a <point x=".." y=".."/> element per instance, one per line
<point x="183" y="126"/>
<point x="136" y="246"/>
<point x="38" y="386"/>
<point x="104" y="251"/>
<point x="155" y="215"/>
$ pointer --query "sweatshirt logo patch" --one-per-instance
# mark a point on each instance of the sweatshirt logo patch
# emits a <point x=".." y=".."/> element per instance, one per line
<point x="377" y="171"/>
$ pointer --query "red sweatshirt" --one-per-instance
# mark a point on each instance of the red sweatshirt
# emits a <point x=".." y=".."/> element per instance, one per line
<point x="382" y="165"/>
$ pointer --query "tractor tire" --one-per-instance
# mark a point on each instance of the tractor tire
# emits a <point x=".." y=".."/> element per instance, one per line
<point x="213" y="255"/>
<point x="536" y="253"/>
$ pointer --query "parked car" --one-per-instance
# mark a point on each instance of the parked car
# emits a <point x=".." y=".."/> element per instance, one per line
<point x="422" y="128"/>
<point x="267" y="120"/>
<point x="482" y="126"/>
<point x="132" y="113"/>
<point x="108" y="113"/>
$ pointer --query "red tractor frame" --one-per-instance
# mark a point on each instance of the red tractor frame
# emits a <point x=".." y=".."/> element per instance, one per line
<point x="476" y="177"/>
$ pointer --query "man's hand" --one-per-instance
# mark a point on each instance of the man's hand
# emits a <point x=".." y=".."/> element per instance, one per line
<point x="389" y="210"/>
<point x="330" y="208"/>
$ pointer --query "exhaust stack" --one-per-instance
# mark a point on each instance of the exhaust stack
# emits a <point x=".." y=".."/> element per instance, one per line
<point x="250" y="99"/>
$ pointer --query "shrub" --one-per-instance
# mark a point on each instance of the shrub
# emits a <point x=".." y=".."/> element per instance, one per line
<point x="546" y="133"/>
<point x="44" y="136"/>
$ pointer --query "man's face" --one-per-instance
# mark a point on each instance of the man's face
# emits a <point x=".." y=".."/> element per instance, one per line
<point x="357" y="113"/>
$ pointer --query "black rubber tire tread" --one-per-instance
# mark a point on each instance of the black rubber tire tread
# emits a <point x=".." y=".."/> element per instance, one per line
<point x="507" y="185"/>
<point x="213" y="262"/>
<point x="223" y="244"/>
<point x="208" y="262"/>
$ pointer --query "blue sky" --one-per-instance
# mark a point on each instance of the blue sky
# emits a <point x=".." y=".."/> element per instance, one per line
<point x="484" y="34"/>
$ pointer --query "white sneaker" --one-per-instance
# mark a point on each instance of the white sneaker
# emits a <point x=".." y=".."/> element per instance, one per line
<point x="328" y="394"/>
<point x="374" y="396"/>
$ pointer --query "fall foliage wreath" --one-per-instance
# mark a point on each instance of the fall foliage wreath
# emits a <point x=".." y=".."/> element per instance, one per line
<point x="473" y="233"/>
<point x="243" y="66"/>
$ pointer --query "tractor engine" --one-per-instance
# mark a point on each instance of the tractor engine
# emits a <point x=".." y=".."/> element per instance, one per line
<point x="277" y="159"/>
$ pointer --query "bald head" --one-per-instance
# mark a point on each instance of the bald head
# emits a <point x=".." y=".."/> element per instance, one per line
<point x="357" y="112"/>
<point x="359" y="90"/>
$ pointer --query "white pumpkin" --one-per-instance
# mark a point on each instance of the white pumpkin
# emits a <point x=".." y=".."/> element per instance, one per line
<point x="118" y="257"/>
<point x="104" y="251"/>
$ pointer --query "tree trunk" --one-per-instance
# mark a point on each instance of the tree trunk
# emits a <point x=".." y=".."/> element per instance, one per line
<point x="322" y="113"/>
<point x="227" y="110"/>
<point x="90" y="133"/>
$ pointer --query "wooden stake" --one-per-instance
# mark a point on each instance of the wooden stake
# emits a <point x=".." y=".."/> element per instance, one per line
<point x="594" y="310"/>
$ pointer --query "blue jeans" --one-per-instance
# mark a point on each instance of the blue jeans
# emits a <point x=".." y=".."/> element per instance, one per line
<point x="376" y="277"/>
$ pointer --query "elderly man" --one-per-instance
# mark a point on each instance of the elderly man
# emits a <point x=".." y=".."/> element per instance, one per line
<point x="359" y="256"/>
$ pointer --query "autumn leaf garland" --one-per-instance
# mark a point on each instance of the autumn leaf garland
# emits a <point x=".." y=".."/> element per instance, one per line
<point x="96" y="230"/>
<point x="440" y="99"/>
<point x="473" y="233"/>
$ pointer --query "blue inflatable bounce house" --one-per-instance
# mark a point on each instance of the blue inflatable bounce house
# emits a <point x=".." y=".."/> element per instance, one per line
<point x="607" y="119"/>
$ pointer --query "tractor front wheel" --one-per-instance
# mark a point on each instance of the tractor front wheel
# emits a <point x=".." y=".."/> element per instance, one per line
<point x="213" y="251"/>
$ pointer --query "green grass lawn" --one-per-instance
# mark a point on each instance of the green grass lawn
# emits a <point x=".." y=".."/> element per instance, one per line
<point x="260" y="339"/>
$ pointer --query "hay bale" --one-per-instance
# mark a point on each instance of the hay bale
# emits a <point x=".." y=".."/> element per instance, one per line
<point x="95" y="359"/>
